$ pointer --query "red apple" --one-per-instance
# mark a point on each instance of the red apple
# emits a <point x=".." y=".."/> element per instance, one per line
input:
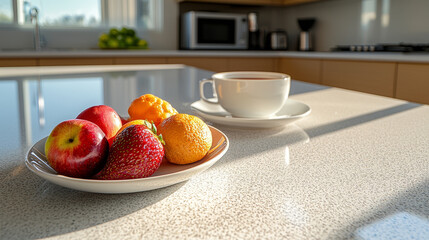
<point x="77" y="148"/>
<point x="105" y="117"/>
<point x="124" y="120"/>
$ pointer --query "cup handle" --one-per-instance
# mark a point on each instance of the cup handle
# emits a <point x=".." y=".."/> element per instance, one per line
<point x="203" y="97"/>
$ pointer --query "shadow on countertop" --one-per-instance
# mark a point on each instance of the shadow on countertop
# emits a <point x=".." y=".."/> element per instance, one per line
<point x="33" y="208"/>
<point x="293" y="134"/>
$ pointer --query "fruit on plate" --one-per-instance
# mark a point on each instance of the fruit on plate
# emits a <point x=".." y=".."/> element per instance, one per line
<point x="187" y="138"/>
<point x="151" y="108"/>
<point x="124" y="120"/>
<point x="77" y="148"/>
<point x="136" y="152"/>
<point x="105" y="117"/>
<point x="134" y="122"/>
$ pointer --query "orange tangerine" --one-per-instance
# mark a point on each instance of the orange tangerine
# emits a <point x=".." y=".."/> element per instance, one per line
<point x="134" y="122"/>
<point x="187" y="138"/>
<point x="151" y="108"/>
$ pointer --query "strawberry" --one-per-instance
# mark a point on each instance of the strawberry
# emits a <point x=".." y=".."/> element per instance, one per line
<point x="136" y="152"/>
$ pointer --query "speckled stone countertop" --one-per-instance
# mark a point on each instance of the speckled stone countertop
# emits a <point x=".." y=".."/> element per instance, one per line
<point x="78" y="53"/>
<point x="356" y="167"/>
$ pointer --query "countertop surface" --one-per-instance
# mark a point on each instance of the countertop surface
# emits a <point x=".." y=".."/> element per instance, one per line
<point x="69" y="53"/>
<point x="356" y="167"/>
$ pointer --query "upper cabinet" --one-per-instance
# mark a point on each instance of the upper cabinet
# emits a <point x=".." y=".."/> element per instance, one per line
<point x="254" y="2"/>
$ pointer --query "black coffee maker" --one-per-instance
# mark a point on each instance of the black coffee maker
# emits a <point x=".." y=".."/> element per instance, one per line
<point x="305" y="41"/>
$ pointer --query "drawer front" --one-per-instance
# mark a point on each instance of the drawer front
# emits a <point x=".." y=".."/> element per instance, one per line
<point x="413" y="82"/>
<point x="370" y="77"/>
<point x="307" y="70"/>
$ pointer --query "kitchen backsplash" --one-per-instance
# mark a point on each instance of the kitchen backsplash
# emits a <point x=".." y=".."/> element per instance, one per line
<point x="338" y="22"/>
<point x="342" y="22"/>
<point x="362" y="22"/>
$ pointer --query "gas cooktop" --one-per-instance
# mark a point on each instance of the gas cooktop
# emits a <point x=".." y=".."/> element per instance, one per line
<point x="400" y="47"/>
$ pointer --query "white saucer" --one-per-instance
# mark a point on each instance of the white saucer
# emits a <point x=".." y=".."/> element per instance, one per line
<point x="291" y="111"/>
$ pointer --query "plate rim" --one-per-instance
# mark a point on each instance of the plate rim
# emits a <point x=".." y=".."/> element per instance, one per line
<point x="47" y="176"/>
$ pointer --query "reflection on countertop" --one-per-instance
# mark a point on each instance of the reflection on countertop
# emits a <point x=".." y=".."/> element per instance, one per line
<point x="45" y="98"/>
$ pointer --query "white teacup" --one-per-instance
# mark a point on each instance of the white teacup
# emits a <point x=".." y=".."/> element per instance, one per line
<point x="249" y="94"/>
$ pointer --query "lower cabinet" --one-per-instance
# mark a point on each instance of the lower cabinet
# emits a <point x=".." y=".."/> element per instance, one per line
<point x="407" y="81"/>
<point x="412" y="82"/>
<point x="222" y="64"/>
<point x="307" y="70"/>
<point x="74" y="61"/>
<point x="208" y="63"/>
<point x="253" y="64"/>
<point x="295" y="2"/>
<point x="139" y="60"/>
<point x="369" y="77"/>
<point x="18" y="62"/>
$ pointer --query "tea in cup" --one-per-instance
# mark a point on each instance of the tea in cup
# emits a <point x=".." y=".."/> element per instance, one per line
<point x="249" y="94"/>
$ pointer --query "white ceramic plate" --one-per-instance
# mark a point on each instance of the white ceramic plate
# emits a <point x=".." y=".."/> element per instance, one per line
<point x="291" y="111"/>
<point x="166" y="175"/>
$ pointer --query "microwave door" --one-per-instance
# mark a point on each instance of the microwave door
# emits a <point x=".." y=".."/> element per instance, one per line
<point x="203" y="30"/>
<point x="213" y="33"/>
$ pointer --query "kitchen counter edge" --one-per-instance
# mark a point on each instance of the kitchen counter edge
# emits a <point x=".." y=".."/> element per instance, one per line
<point x="362" y="56"/>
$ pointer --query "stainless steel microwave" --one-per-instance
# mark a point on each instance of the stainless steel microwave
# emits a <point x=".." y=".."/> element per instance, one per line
<point x="211" y="30"/>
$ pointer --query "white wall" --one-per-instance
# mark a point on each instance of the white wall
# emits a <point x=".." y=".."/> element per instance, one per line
<point x="361" y="22"/>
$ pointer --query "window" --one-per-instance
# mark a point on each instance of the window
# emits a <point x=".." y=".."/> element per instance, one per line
<point x="133" y="13"/>
<point x="144" y="14"/>
<point x="61" y="13"/>
<point x="6" y="11"/>
<point x="75" y="24"/>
